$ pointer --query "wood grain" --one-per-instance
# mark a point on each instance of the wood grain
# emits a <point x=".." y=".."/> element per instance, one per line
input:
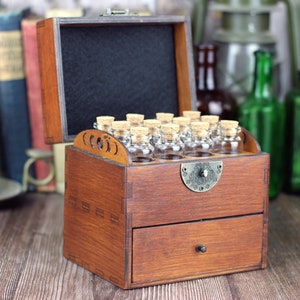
<point x="169" y="252"/>
<point x="184" y="63"/>
<point x="32" y="265"/>
<point x="50" y="44"/>
<point x="105" y="202"/>
<point x="49" y="81"/>
<point x="241" y="176"/>
<point x="102" y="144"/>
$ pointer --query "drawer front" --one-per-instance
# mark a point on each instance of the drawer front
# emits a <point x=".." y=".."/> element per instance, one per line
<point x="197" y="249"/>
<point x="157" y="194"/>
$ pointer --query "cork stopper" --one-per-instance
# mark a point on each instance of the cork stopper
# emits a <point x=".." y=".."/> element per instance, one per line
<point x="170" y="128"/>
<point x="210" y="119"/>
<point x="105" y="120"/>
<point x="170" y="131"/>
<point x="200" y="125"/>
<point x="229" y="124"/>
<point x="164" y="117"/>
<point x="139" y="130"/>
<point x="200" y="128"/>
<point x="120" y="125"/>
<point x="139" y="134"/>
<point x="192" y="114"/>
<point x="135" y="118"/>
<point x="213" y="121"/>
<point x="103" y="123"/>
<point x="229" y="127"/>
<point x="152" y="123"/>
<point x="181" y="121"/>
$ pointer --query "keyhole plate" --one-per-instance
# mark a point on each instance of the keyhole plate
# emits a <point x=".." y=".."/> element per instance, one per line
<point x="201" y="176"/>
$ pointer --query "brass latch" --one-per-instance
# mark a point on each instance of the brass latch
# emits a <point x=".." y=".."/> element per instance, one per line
<point x="118" y="12"/>
<point x="201" y="176"/>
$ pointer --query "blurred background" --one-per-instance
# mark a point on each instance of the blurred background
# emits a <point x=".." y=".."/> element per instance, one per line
<point x="237" y="27"/>
<point x="268" y="18"/>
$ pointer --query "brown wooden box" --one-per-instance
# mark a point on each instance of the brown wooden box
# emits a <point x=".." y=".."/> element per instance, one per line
<point x="112" y="66"/>
<point x="139" y="224"/>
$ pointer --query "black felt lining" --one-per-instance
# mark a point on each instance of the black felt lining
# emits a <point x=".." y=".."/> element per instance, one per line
<point x="113" y="70"/>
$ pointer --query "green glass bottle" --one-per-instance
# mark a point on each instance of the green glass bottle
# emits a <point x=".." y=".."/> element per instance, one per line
<point x="292" y="163"/>
<point x="264" y="116"/>
<point x="292" y="104"/>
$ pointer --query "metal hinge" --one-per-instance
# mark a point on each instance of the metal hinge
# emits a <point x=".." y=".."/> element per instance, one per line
<point x="118" y="12"/>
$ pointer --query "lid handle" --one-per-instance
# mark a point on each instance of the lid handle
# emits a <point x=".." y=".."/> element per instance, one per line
<point x="117" y="12"/>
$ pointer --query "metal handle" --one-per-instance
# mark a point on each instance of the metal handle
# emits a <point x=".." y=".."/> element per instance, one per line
<point x="200" y="248"/>
<point x="118" y="12"/>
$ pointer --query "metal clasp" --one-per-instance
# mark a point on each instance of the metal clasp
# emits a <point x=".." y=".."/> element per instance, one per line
<point x="201" y="176"/>
<point x="118" y="12"/>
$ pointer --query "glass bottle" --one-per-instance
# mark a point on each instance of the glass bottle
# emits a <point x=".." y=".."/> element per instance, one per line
<point x="264" y="116"/>
<point x="140" y="148"/>
<point x="184" y="128"/>
<point x="104" y="123"/>
<point x="154" y="130"/>
<point x="200" y="143"/>
<point x="292" y="142"/>
<point x="211" y="100"/>
<point x="213" y="121"/>
<point x="169" y="146"/>
<point x="229" y="141"/>
<point x="121" y="131"/>
<point x="292" y="105"/>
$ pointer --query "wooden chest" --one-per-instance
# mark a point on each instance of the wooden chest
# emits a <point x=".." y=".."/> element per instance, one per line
<point x="142" y="224"/>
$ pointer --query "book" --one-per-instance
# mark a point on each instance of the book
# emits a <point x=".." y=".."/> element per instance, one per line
<point x="34" y="96"/>
<point x="15" y="136"/>
<point x="64" y="12"/>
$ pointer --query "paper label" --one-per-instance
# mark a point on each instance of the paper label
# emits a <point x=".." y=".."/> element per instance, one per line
<point x="11" y="56"/>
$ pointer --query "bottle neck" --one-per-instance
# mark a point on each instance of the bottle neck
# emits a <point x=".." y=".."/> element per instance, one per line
<point x="200" y="134"/>
<point x="170" y="137"/>
<point x="154" y="131"/>
<point x="246" y="22"/>
<point x="206" y="67"/>
<point x="139" y="139"/>
<point x="263" y="75"/>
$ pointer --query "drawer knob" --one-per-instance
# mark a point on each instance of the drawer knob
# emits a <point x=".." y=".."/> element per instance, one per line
<point x="203" y="173"/>
<point x="200" y="248"/>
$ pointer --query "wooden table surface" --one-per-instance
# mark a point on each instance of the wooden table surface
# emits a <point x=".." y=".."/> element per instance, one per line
<point x="32" y="265"/>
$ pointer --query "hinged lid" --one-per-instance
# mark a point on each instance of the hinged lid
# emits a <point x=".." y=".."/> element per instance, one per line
<point x="113" y="66"/>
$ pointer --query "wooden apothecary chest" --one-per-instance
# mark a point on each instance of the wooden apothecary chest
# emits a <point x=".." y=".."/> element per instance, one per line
<point x="139" y="224"/>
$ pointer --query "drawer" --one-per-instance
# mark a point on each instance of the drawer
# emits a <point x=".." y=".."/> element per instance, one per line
<point x="173" y="252"/>
<point x="161" y="197"/>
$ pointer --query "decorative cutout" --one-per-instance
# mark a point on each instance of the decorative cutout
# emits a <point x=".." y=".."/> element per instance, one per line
<point x="116" y="147"/>
<point x="108" y="146"/>
<point x="83" y="138"/>
<point x="99" y="212"/>
<point x="85" y="206"/>
<point x="102" y="144"/>
<point x="92" y="141"/>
